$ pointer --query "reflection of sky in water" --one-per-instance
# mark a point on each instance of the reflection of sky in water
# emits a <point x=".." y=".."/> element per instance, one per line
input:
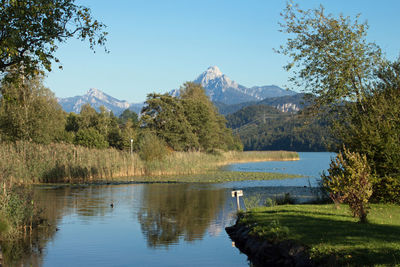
<point x="94" y="234"/>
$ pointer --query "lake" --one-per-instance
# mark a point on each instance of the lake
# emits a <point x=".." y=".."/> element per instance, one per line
<point x="155" y="224"/>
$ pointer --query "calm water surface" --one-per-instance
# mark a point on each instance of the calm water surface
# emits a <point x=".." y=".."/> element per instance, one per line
<point x="154" y="224"/>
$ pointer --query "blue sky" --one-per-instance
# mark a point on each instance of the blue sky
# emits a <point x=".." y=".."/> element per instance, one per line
<point x="157" y="45"/>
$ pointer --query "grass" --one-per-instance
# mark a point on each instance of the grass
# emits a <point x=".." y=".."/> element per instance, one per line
<point x="207" y="177"/>
<point x="329" y="231"/>
<point x="26" y="163"/>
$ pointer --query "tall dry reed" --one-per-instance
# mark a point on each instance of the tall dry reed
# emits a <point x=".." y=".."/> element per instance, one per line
<point x="24" y="162"/>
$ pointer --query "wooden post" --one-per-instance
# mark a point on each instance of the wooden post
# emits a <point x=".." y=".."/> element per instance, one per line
<point x="237" y="194"/>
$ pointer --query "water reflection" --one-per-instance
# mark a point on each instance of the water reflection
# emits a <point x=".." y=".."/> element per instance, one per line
<point x="171" y="213"/>
<point x="163" y="215"/>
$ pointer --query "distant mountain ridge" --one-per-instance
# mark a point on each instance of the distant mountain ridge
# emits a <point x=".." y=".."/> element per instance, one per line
<point x="96" y="99"/>
<point x="290" y="103"/>
<point x="220" y="88"/>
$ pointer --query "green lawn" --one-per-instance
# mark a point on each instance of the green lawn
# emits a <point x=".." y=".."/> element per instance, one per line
<point x="328" y="231"/>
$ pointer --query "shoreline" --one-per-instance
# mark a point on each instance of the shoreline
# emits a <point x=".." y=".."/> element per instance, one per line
<point x="322" y="234"/>
<point x="29" y="163"/>
<point x="264" y="253"/>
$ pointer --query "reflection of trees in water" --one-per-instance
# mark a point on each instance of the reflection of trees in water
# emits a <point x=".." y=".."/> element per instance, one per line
<point x="170" y="212"/>
<point x="28" y="251"/>
<point x="56" y="203"/>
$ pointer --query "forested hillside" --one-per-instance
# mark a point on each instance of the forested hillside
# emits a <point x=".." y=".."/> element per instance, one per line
<point x="262" y="127"/>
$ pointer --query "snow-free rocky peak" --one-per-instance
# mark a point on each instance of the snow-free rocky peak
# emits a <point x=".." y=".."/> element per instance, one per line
<point x="96" y="99"/>
<point x="93" y="92"/>
<point x="220" y="88"/>
<point x="213" y="79"/>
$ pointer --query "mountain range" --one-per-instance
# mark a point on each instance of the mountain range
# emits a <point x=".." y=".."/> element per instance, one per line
<point x="220" y="88"/>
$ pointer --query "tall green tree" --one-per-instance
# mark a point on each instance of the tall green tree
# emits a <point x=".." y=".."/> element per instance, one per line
<point x="31" y="30"/>
<point x="375" y="130"/>
<point x="29" y="111"/>
<point x="330" y="56"/>
<point x="201" y="114"/>
<point x="207" y="124"/>
<point x="165" y="116"/>
<point x="128" y="114"/>
<point x="332" y="59"/>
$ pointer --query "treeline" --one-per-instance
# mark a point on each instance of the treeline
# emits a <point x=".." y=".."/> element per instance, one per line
<point x="262" y="127"/>
<point x="190" y="122"/>
<point x="30" y="112"/>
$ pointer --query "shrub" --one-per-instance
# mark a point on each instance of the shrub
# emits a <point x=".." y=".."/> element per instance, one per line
<point x="152" y="148"/>
<point x="284" y="199"/>
<point x="90" y="137"/>
<point x="386" y="190"/>
<point x="349" y="181"/>
<point x="252" y="201"/>
<point x="17" y="212"/>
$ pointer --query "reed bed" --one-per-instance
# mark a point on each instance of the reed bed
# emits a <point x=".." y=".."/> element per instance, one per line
<point x="253" y="156"/>
<point x="24" y="163"/>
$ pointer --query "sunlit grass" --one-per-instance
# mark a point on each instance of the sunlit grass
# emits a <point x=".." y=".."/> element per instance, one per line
<point x="329" y="231"/>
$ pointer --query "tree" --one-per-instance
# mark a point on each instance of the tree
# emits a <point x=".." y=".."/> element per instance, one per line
<point x="207" y="124"/>
<point x="128" y="133"/>
<point x="375" y="130"/>
<point x="128" y="114"/>
<point x="349" y="181"/>
<point x="29" y="111"/>
<point x="90" y="137"/>
<point x="165" y="116"/>
<point x="329" y="56"/>
<point x="30" y="31"/>
<point x="190" y="122"/>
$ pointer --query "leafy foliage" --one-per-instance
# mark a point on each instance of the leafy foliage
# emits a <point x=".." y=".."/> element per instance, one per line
<point x="165" y="115"/>
<point x="349" y="181"/>
<point x="190" y="122"/>
<point x="152" y="148"/>
<point x="332" y="59"/>
<point x="18" y="211"/>
<point x="330" y="56"/>
<point x="386" y="190"/>
<point x="375" y="129"/>
<point x="32" y="29"/>
<point x="29" y="111"/>
<point x="90" y="137"/>
<point x="129" y="115"/>
<point x="266" y="128"/>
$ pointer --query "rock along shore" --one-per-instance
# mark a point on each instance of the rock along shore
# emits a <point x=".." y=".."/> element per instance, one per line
<point x="265" y="253"/>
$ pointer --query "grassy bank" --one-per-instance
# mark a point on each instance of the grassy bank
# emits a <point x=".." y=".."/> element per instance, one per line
<point x="26" y="163"/>
<point x="329" y="231"/>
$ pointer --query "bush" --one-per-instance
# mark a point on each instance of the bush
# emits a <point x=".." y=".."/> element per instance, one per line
<point x="386" y="190"/>
<point x="284" y="199"/>
<point x="17" y="212"/>
<point x="349" y="181"/>
<point x="90" y="137"/>
<point x="152" y="148"/>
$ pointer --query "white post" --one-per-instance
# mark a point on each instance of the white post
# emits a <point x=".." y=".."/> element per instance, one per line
<point x="131" y="146"/>
<point x="237" y="194"/>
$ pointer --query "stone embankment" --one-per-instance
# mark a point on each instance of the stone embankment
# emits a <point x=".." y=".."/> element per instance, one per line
<point x="264" y="253"/>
